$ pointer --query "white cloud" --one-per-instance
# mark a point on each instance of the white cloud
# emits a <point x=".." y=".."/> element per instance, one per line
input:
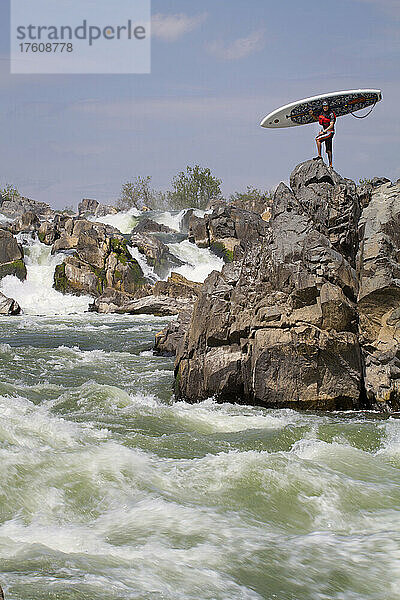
<point x="240" y="48"/>
<point x="169" y="28"/>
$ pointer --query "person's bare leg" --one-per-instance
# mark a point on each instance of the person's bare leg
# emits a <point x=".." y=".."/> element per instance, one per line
<point x="329" y="153"/>
<point x="319" y="144"/>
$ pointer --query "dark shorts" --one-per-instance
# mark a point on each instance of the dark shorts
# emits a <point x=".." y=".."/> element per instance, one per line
<point x="328" y="140"/>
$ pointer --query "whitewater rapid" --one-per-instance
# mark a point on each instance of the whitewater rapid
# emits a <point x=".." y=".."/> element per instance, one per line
<point x="111" y="489"/>
<point x="36" y="294"/>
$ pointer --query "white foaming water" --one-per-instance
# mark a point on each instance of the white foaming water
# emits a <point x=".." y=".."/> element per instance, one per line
<point x="4" y="220"/>
<point x="36" y="295"/>
<point x="148" y="271"/>
<point x="124" y="221"/>
<point x="171" y="219"/>
<point x="200" y="261"/>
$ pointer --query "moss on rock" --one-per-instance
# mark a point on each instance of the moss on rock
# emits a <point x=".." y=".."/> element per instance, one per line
<point x="220" y="250"/>
<point x="60" y="280"/>
<point x="17" y="268"/>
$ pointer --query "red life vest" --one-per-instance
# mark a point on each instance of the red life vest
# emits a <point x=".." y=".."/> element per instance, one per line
<point x="325" y="119"/>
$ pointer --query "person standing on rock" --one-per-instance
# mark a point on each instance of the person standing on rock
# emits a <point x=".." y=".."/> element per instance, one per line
<point x="327" y="120"/>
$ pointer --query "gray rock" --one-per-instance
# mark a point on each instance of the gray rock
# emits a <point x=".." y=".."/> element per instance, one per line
<point x="278" y="328"/>
<point x="18" y="206"/>
<point x="157" y="254"/>
<point x="26" y="223"/>
<point x="146" y="225"/>
<point x="11" y="256"/>
<point x="169" y="340"/>
<point x="162" y="306"/>
<point x="226" y="231"/>
<point x="379" y="295"/>
<point x="8" y="306"/>
<point x="87" y="207"/>
<point x="331" y="202"/>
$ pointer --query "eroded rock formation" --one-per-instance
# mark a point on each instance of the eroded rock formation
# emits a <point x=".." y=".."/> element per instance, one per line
<point x="280" y="327"/>
<point x="11" y="256"/>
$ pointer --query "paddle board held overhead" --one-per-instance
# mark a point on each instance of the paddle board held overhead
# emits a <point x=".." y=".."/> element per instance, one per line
<point x="301" y="112"/>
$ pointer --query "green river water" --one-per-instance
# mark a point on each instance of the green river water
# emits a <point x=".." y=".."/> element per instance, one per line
<point x="111" y="490"/>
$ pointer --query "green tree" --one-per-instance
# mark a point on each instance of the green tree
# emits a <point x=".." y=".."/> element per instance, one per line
<point x="136" y="193"/>
<point x="194" y="188"/>
<point x="10" y="192"/>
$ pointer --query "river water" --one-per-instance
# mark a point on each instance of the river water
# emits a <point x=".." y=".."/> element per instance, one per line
<point x="110" y="489"/>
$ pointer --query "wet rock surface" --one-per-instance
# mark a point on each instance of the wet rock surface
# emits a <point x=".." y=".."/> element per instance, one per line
<point x="101" y="259"/>
<point x="226" y="231"/>
<point x="9" y="306"/>
<point x="11" y="256"/>
<point x="157" y="254"/>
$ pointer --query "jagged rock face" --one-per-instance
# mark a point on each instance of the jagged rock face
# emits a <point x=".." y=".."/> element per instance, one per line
<point x="331" y="202"/>
<point x="279" y="327"/>
<point x="26" y="223"/>
<point x="148" y="226"/>
<point x="165" y="298"/>
<point x="379" y="295"/>
<point x="169" y="340"/>
<point x="177" y="286"/>
<point x="259" y="205"/>
<point x="158" y="255"/>
<point x="8" y="306"/>
<point x="100" y="261"/>
<point x="89" y="207"/>
<point x="11" y="256"/>
<point x="226" y="230"/>
<point x="18" y="206"/>
<point x="80" y="234"/>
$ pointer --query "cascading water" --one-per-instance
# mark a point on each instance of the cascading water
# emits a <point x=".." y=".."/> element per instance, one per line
<point x="147" y="270"/>
<point x="110" y="489"/>
<point x="200" y="262"/>
<point x="124" y="221"/>
<point x="36" y="295"/>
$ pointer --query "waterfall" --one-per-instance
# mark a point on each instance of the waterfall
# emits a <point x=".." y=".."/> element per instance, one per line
<point x="36" y="294"/>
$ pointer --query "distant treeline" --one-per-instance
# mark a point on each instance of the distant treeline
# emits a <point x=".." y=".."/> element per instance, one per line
<point x="193" y="188"/>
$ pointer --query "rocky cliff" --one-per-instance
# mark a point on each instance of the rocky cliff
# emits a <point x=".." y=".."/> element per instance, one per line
<point x="307" y="316"/>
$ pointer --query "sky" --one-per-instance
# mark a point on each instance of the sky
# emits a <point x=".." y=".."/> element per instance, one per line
<point x="218" y="67"/>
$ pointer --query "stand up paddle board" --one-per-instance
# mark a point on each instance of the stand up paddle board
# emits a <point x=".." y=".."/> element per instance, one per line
<point x="342" y="103"/>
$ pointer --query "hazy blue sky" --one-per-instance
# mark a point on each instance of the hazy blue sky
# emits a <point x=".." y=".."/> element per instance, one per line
<point x="218" y="67"/>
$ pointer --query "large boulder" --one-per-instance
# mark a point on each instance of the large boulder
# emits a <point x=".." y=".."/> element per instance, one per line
<point x="156" y="253"/>
<point x="89" y="207"/>
<point x="147" y="225"/>
<point x="27" y="223"/>
<point x="278" y="328"/>
<point x="379" y="295"/>
<point x="16" y="207"/>
<point x="169" y="340"/>
<point x="177" y="286"/>
<point x="161" y="306"/>
<point x="226" y="231"/>
<point x="331" y="202"/>
<point x="11" y="256"/>
<point x="101" y="260"/>
<point x="8" y="306"/>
